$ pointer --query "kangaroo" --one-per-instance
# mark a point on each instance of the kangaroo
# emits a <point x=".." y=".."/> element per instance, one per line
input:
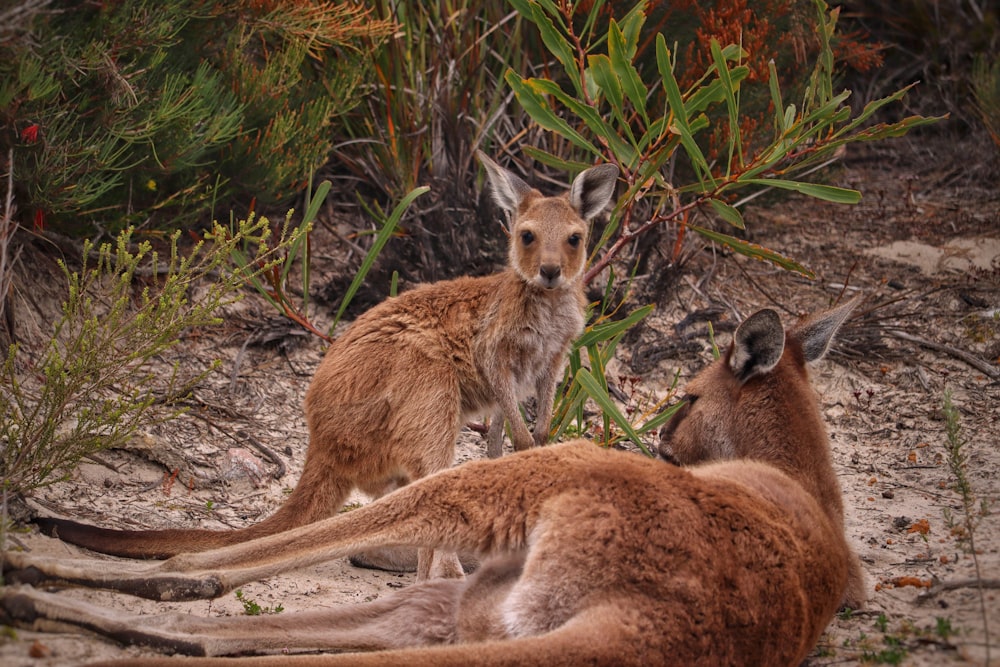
<point x="597" y="556"/>
<point x="386" y="405"/>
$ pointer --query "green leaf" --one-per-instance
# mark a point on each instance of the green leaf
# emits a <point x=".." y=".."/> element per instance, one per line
<point x="663" y="417"/>
<point x="712" y="92"/>
<point x="753" y="250"/>
<point x="828" y="113"/>
<point x="824" y="192"/>
<point x="733" y="109"/>
<point x="772" y="82"/>
<point x="621" y="56"/>
<point x="557" y="45"/>
<point x="526" y="91"/>
<point x="681" y="122"/>
<point x="383" y="236"/>
<point x="316" y="201"/>
<point x="604" y="77"/>
<point x="727" y="213"/>
<point x="599" y="394"/>
<point x="555" y="161"/>
<point x="593" y="16"/>
<point x="874" y="106"/>
<point x="606" y="331"/>
<point x="625" y="153"/>
<point x="631" y="27"/>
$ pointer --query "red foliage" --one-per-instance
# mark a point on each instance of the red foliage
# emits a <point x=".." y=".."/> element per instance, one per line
<point x="30" y="134"/>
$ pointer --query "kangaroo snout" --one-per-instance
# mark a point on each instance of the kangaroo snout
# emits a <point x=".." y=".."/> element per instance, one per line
<point x="549" y="275"/>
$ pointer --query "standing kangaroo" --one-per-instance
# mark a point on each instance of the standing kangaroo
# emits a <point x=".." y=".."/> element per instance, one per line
<point x="599" y="557"/>
<point x="388" y="401"/>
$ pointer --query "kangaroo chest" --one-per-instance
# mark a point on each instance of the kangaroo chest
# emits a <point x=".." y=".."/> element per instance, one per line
<point x="520" y="344"/>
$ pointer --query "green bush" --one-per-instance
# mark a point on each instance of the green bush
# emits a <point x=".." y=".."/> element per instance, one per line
<point x="133" y="112"/>
<point x="611" y="109"/>
<point x="94" y="383"/>
<point x="438" y="93"/>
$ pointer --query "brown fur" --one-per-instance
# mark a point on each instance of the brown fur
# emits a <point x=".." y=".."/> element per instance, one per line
<point x="387" y="403"/>
<point x="725" y="419"/>
<point x="598" y="557"/>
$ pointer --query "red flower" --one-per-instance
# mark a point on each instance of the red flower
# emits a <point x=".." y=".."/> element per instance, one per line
<point x="30" y="133"/>
<point x="39" y="220"/>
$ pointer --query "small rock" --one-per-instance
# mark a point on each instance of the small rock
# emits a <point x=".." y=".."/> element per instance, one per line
<point x="39" y="650"/>
<point x="242" y="464"/>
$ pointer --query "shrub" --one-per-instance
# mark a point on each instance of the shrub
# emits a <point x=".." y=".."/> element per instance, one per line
<point x="133" y="112"/>
<point x="611" y="109"/>
<point x="609" y="112"/>
<point x="95" y="383"/>
<point x="438" y="93"/>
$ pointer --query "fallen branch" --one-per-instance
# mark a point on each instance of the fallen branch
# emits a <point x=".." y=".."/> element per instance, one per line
<point x="984" y="367"/>
<point x="955" y="584"/>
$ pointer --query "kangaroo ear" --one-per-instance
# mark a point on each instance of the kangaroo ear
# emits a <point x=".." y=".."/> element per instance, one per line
<point x="816" y="332"/>
<point x="592" y="190"/>
<point x="757" y="345"/>
<point x="508" y="189"/>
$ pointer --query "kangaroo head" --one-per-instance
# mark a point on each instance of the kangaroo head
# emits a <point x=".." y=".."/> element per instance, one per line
<point x="548" y="235"/>
<point x="755" y="402"/>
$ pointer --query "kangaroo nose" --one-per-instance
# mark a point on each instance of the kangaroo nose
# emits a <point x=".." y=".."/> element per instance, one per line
<point x="550" y="272"/>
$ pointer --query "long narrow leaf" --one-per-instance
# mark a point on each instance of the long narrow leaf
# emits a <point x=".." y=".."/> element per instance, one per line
<point x="871" y="108"/>
<point x="631" y="27"/>
<point x="538" y="108"/>
<point x="388" y="227"/>
<point x="753" y="250"/>
<point x="712" y="92"/>
<point x="660" y="419"/>
<point x="608" y="330"/>
<point x="621" y="55"/>
<point x="560" y="163"/>
<point x="673" y="93"/>
<point x="779" y="107"/>
<point x="727" y="213"/>
<point x="604" y="401"/>
<point x="316" y="201"/>
<point x="556" y="45"/>
<point x="732" y="108"/>
<point x="608" y="83"/>
<point x="824" y="192"/>
<point x="589" y="115"/>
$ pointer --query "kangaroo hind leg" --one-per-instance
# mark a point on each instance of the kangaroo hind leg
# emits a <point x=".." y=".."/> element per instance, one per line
<point x="421" y="615"/>
<point x="425" y="445"/>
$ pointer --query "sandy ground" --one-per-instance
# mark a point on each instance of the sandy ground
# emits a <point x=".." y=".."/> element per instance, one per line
<point x="924" y="248"/>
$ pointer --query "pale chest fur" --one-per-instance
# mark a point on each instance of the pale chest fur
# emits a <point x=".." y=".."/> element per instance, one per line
<point x="525" y="333"/>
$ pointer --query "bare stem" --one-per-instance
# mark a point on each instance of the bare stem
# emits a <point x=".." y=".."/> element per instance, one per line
<point x="956" y="461"/>
<point x="7" y="228"/>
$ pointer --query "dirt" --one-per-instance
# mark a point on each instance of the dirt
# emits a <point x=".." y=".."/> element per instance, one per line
<point x="924" y="249"/>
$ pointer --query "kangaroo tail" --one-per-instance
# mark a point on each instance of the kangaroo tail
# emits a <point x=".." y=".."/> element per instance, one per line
<point x="317" y="496"/>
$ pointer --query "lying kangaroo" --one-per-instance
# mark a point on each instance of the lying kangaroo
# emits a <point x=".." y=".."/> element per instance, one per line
<point x="388" y="401"/>
<point x="599" y="557"/>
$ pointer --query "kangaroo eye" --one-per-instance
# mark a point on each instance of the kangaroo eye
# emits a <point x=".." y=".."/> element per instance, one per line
<point x="574" y="240"/>
<point x="527" y="238"/>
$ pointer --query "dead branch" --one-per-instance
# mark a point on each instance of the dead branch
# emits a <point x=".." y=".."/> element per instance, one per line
<point x="982" y="366"/>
